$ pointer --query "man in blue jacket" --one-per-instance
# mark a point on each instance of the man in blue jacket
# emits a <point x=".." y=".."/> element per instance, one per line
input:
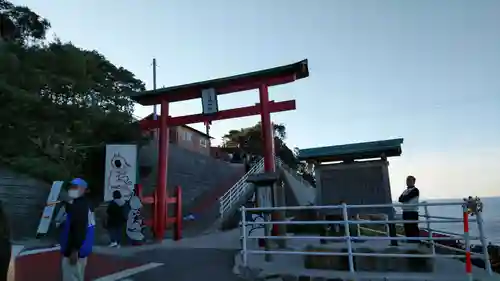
<point x="77" y="236"/>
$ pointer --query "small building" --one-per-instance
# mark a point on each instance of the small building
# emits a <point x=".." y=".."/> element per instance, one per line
<point x="356" y="174"/>
<point x="218" y="153"/>
<point x="189" y="138"/>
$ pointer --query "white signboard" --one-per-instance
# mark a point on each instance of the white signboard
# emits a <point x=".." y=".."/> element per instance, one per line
<point x="48" y="211"/>
<point x="120" y="170"/>
<point x="209" y="101"/>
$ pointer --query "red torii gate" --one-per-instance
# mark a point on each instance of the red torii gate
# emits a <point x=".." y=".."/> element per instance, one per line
<point x="211" y="89"/>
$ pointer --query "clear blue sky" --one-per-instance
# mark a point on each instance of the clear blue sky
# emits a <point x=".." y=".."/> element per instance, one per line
<point x="424" y="70"/>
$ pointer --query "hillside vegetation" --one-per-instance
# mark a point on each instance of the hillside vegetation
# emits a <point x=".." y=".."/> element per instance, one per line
<point x="59" y="104"/>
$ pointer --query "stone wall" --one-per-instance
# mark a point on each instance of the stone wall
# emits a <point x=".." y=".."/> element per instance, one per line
<point x="197" y="174"/>
<point x="202" y="178"/>
<point x="24" y="199"/>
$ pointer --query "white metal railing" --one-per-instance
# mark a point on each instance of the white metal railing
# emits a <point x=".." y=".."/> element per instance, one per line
<point x="239" y="189"/>
<point x="431" y="231"/>
<point x="347" y="222"/>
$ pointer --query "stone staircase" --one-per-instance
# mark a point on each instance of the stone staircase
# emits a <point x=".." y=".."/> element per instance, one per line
<point x="298" y="192"/>
<point x="203" y="180"/>
<point x="303" y="191"/>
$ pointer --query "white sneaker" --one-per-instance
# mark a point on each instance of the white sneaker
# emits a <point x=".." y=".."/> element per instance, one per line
<point x="113" y="244"/>
<point x="117" y="246"/>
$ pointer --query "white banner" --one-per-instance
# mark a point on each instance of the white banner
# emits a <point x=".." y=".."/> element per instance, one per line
<point x="120" y="170"/>
<point x="48" y="211"/>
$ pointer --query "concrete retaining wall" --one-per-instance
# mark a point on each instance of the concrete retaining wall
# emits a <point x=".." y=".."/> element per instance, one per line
<point x="203" y="180"/>
<point x="24" y="199"/>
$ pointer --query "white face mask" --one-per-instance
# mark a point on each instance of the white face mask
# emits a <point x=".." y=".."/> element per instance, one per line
<point x="74" y="193"/>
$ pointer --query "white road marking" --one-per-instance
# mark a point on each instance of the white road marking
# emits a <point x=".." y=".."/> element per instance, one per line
<point x="129" y="272"/>
<point x="38" y="251"/>
<point x="16" y="250"/>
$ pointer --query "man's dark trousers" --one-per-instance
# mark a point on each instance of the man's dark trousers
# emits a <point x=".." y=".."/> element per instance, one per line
<point x="411" y="228"/>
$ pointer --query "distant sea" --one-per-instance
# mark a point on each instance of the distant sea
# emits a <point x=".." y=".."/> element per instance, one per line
<point x="491" y="218"/>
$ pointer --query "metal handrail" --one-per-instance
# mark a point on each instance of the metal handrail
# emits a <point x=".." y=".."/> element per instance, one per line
<point x="350" y="239"/>
<point x="233" y="195"/>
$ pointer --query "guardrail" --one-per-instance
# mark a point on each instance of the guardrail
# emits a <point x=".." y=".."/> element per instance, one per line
<point x="346" y="222"/>
<point x="233" y="195"/>
<point x="431" y="231"/>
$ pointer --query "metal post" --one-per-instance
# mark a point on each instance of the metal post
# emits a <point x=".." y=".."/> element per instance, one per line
<point x="279" y="197"/>
<point x="178" y="214"/>
<point x="387" y="229"/>
<point x="155" y="107"/>
<point x="244" y="236"/>
<point x="468" y="261"/>
<point x="161" y="187"/>
<point x="155" y="110"/>
<point x="358" y="226"/>
<point x="348" y="238"/>
<point x="482" y="237"/>
<point x="429" y="230"/>
<point x="221" y="208"/>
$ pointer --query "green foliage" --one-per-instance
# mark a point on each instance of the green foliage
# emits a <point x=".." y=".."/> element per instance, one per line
<point x="60" y="104"/>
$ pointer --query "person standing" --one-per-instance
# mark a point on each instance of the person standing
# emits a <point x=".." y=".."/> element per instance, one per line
<point x="116" y="219"/>
<point x="77" y="236"/>
<point x="408" y="198"/>
<point x="5" y="245"/>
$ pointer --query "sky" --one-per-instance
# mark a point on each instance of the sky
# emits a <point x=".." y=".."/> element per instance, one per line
<point x="423" y="70"/>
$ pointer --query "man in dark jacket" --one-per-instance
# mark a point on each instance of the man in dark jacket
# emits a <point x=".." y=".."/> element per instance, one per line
<point x="5" y="245"/>
<point x="410" y="197"/>
<point x="77" y="236"/>
<point x="116" y="219"/>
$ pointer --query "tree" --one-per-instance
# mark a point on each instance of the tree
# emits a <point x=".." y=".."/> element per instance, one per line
<point x="29" y="26"/>
<point x="60" y="104"/>
<point x="249" y="140"/>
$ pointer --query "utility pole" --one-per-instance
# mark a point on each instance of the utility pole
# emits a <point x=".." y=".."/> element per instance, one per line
<point x="155" y="107"/>
<point x="155" y="112"/>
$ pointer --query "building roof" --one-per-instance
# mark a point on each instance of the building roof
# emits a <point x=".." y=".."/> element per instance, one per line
<point x="243" y="82"/>
<point x="363" y="150"/>
<point x="150" y="117"/>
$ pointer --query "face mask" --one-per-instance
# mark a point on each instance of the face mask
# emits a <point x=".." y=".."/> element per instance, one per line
<point x="74" y="193"/>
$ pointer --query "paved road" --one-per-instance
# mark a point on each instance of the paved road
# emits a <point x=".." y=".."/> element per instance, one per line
<point x="172" y="264"/>
<point x="188" y="265"/>
<point x="46" y="266"/>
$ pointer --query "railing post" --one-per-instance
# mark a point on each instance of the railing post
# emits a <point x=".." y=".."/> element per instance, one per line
<point x="468" y="261"/>
<point x="221" y="208"/>
<point x="484" y="243"/>
<point x="358" y="226"/>
<point x="243" y="236"/>
<point x="178" y="214"/>
<point x="387" y="229"/>
<point x="429" y="230"/>
<point x="348" y="238"/>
